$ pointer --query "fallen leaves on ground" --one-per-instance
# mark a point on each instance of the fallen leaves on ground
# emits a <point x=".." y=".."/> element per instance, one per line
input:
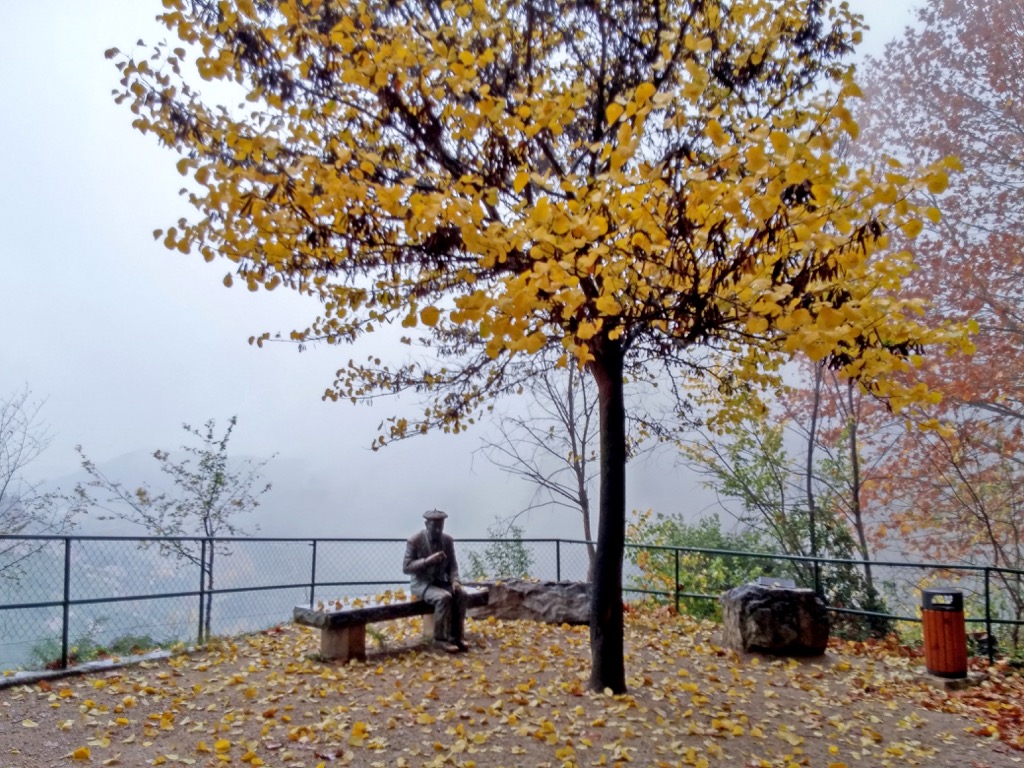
<point x="995" y="703"/>
<point x="520" y="697"/>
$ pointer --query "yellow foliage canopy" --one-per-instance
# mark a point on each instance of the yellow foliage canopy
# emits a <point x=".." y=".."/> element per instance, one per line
<point x="466" y="169"/>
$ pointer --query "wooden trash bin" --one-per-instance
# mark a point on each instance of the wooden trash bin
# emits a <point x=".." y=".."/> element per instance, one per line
<point x="945" y="637"/>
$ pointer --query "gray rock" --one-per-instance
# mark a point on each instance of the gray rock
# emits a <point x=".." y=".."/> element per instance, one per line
<point x="784" y="621"/>
<point x="553" y="602"/>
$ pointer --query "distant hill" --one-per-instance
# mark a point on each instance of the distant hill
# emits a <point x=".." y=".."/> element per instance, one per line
<point x="383" y="494"/>
<point x="320" y="500"/>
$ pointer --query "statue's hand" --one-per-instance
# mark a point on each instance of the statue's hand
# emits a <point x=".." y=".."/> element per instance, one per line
<point x="457" y="586"/>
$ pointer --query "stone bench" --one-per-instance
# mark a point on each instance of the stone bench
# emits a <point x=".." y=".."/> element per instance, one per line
<point x="343" y="631"/>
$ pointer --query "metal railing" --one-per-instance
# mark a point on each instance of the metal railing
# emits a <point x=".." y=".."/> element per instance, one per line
<point x="58" y="591"/>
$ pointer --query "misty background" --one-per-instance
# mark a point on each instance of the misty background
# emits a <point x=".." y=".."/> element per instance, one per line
<point x="124" y="340"/>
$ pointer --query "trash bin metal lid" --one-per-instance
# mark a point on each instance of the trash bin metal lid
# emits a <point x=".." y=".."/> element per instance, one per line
<point x="942" y="599"/>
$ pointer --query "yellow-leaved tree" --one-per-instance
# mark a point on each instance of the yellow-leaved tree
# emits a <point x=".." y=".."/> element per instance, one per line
<point x="617" y="181"/>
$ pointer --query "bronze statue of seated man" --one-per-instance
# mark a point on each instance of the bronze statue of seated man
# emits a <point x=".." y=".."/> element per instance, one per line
<point x="434" y="571"/>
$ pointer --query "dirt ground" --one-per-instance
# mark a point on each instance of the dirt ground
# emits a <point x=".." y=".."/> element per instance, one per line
<point x="518" y="698"/>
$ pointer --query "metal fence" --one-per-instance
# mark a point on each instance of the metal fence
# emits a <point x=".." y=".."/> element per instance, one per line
<point x="58" y="594"/>
<point x="993" y="596"/>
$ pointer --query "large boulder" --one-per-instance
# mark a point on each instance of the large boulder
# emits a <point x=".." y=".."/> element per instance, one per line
<point x="553" y="602"/>
<point x="785" y="621"/>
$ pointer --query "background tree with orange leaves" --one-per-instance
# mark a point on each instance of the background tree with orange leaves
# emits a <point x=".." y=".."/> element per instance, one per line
<point x="953" y="85"/>
<point x="631" y="184"/>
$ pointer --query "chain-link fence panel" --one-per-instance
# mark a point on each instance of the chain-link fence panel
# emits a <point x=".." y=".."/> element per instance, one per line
<point x="256" y="582"/>
<point x="540" y="559"/>
<point x="144" y="591"/>
<point x="113" y="600"/>
<point x="31" y="569"/>
<point x="358" y="567"/>
<point x="31" y="573"/>
<point x="575" y="558"/>
<point x="27" y="634"/>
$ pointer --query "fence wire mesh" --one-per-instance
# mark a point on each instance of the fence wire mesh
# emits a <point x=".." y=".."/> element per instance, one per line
<point x="66" y="598"/>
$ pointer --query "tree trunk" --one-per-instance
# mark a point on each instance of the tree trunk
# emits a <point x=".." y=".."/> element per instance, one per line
<point x="579" y="459"/>
<point x="811" y="503"/>
<point x="209" y="596"/>
<point x="855" y="507"/>
<point x="606" y="621"/>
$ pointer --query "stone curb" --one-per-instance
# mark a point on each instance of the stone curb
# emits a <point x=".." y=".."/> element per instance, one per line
<point x="32" y="676"/>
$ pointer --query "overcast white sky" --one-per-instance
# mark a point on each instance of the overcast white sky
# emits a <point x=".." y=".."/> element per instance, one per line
<point x="126" y="340"/>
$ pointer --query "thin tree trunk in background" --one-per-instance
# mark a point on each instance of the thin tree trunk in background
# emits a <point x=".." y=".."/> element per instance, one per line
<point x="855" y="507"/>
<point x="606" y="620"/>
<point x="811" y="504"/>
<point x="209" y="595"/>
<point x="579" y="460"/>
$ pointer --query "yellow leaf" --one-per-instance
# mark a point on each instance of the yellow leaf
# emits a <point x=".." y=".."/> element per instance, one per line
<point x="937" y="183"/>
<point x="700" y="45"/>
<point x="430" y="316"/>
<point x="716" y="134"/>
<point x="757" y="324"/>
<point x="29" y="724"/>
<point x="851" y="127"/>
<point x="358" y="735"/>
<point x="587" y="330"/>
<point x="613" y="112"/>
<point x="644" y="91"/>
<point x="912" y="228"/>
<point x="222" y="745"/>
<point x="780" y="141"/>
<point x="829" y="318"/>
<point x="534" y="342"/>
<point x="82" y="753"/>
<point x="607" y="305"/>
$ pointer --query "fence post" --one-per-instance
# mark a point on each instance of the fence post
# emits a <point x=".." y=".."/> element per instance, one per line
<point x="312" y="578"/>
<point x="66" y="620"/>
<point x="988" y="616"/>
<point x="558" y="559"/>
<point x="675" y="588"/>
<point x="202" y="588"/>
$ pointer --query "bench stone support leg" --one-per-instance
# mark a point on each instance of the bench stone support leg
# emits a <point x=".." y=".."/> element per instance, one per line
<point x="428" y="626"/>
<point x="343" y="644"/>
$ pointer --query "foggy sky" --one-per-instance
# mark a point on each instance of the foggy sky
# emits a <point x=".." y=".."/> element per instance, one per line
<point x="125" y="340"/>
